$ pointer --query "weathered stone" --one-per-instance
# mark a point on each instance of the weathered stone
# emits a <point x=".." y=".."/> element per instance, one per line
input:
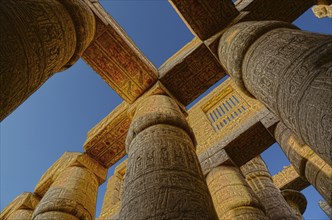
<point x="66" y="160"/>
<point x="296" y="200"/>
<point x="288" y="70"/>
<point x="36" y="43"/>
<point x="260" y="180"/>
<point x="322" y="11"/>
<point x="312" y="167"/>
<point x="163" y="176"/>
<point x="191" y="71"/>
<point x="326" y="208"/>
<point x="73" y="192"/>
<point x="232" y="196"/>
<point x="205" y="18"/>
<point x="106" y="141"/>
<point x="112" y="198"/>
<point x="115" y="57"/>
<point x="21" y="207"/>
<point x="288" y="178"/>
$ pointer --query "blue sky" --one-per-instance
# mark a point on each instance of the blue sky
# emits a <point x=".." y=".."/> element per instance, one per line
<point x="58" y="116"/>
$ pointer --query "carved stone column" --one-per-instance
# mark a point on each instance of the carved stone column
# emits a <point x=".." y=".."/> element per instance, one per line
<point x="21" y="207"/>
<point x="163" y="177"/>
<point x="288" y="70"/>
<point x="308" y="164"/>
<point x="296" y="200"/>
<point x="232" y="196"/>
<point x="260" y="180"/>
<point x="323" y="9"/>
<point x="326" y="208"/>
<point x="38" y="39"/>
<point x="73" y="193"/>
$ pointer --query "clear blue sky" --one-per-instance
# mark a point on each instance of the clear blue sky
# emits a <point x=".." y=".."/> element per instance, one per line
<point x="58" y="116"/>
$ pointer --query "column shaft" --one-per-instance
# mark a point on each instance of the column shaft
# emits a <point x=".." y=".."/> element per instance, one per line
<point x="163" y="177"/>
<point x="308" y="164"/>
<point x="288" y="70"/>
<point x="296" y="200"/>
<point x="73" y="195"/>
<point x="232" y="197"/>
<point x="38" y="39"/>
<point x="260" y="180"/>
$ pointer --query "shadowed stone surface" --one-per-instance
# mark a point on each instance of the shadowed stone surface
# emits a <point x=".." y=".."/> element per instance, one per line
<point x="260" y="180"/>
<point x="312" y="167"/>
<point x="296" y="200"/>
<point x="163" y="177"/>
<point x="36" y="43"/>
<point x="288" y="70"/>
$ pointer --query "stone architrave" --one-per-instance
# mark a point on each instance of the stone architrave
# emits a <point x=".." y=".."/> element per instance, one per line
<point x="260" y="180"/>
<point x="308" y="164"/>
<point x="73" y="190"/>
<point x="232" y="196"/>
<point x="288" y="70"/>
<point x="36" y="43"/>
<point x="296" y="200"/>
<point x="163" y="177"/>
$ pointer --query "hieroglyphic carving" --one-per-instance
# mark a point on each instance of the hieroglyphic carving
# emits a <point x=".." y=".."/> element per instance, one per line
<point x="232" y="196"/>
<point x="21" y="207"/>
<point x="205" y="18"/>
<point x="326" y="208"/>
<point x="191" y="71"/>
<point x="288" y="178"/>
<point x="311" y="166"/>
<point x="322" y="10"/>
<point x="36" y="43"/>
<point x="112" y="199"/>
<point x="69" y="188"/>
<point x="114" y="56"/>
<point x="296" y="200"/>
<point x="106" y="141"/>
<point x="66" y="160"/>
<point x="282" y="10"/>
<point x="289" y="71"/>
<point x="163" y="176"/>
<point x="73" y="192"/>
<point x="260" y="180"/>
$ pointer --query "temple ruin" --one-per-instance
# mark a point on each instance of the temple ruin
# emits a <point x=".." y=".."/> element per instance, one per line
<point x="197" y="163"/>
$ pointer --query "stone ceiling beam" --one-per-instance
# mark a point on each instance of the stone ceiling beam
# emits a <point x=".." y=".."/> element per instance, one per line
<point x="205" y="18"/>
<point x="115" y="57"/>
<point x="288" y="178"/>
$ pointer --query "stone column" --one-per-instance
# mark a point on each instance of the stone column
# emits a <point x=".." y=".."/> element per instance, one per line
<point x="73" y="192"/>
<point x="326" y="208"/>
<point x="323" y="9"/>
<point x="289" y="71"/>
<point x="38" y="39"/>
<point x="232" y="196"/>
<point x="163" y="177"/>
<point x="296" y="200"/>
<point x="308" y="164"/>
<point x="260" y="180"/>
<point x="21" y="207"/>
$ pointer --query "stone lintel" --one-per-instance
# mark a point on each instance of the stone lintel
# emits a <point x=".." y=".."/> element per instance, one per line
<point x="69" y="159"/>
<point x="237" y="148"/>
<point x="270" y="122"/>
<point x="115" y="57"/>
<point x="25" y="200"/>
<point x="205" y="18"/>
<point x="288" y="178"/>
<point x="281" y="10"/>
<point x="191" y="71"/>
<point x="106" y="141"/>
